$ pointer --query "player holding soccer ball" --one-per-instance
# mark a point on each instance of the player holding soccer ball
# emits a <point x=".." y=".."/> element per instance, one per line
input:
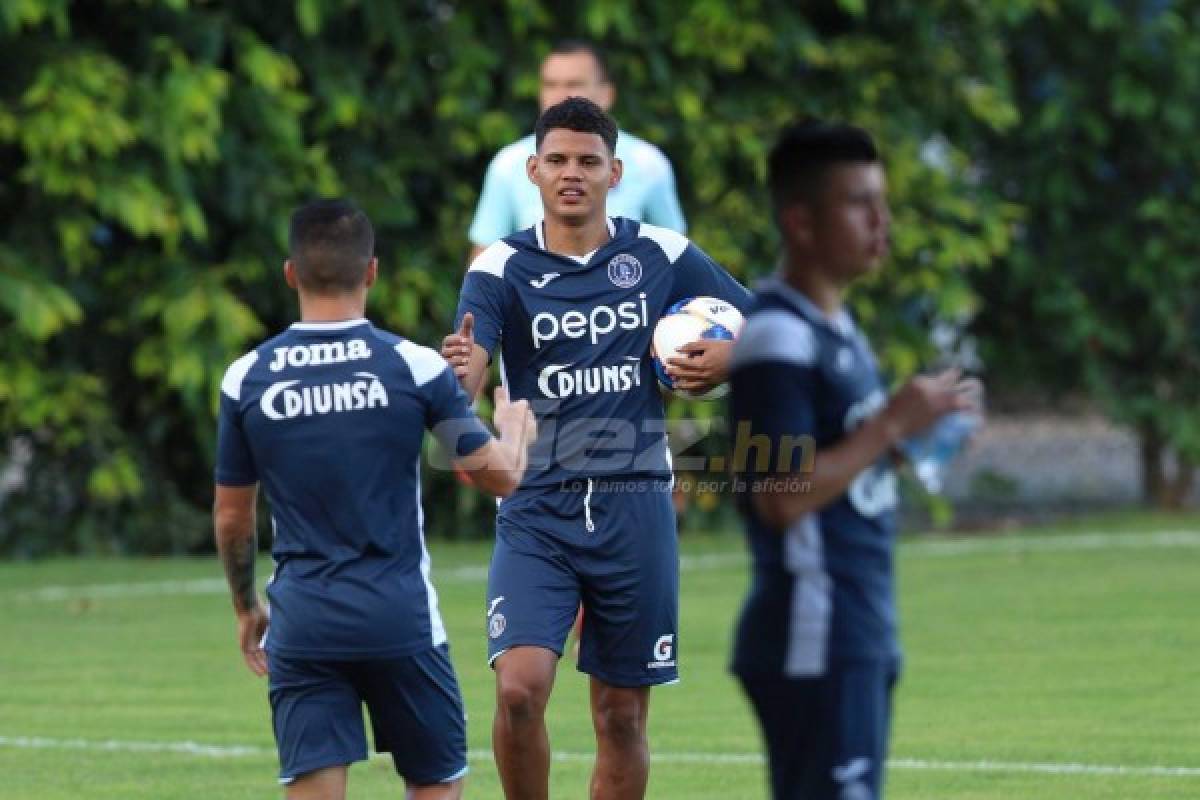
<point x="572" y="303"/>
<point x="816" y="647"/>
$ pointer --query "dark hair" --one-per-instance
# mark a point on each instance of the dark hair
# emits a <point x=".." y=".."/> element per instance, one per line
<point x="577" y="114"/>
<point x="805" y="151"/>
<point x="331" y="242"/>
<point x="569" y="47"/>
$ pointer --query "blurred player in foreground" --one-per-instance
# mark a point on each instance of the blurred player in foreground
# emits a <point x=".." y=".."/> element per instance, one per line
<point x="329" y="416"/>
<point x="572" y="303"/>
<point x="816" y="647"/>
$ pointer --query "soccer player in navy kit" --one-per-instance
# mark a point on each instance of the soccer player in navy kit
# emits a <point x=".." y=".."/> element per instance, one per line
<point x="329" y="416"/>
<point x="572" y="303"/>
<point x="816" y="647"/>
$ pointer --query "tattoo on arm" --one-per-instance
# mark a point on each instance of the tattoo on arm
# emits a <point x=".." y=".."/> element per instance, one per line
<point x="238" y="560"/>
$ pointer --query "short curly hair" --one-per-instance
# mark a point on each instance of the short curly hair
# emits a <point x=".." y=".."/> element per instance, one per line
<point x="331" y="243"/>
<point x="577" y="114"/>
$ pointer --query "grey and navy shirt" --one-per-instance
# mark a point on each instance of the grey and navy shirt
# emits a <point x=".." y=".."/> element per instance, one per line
<point x="822" y="591"/>
<point x="330" y="418"/>
<point x="574" y="339"/>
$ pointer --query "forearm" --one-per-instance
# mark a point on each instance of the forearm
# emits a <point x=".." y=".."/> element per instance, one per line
<point x="477" y="367"/>
<point x="499" y="467"/>
<point x="516" y="454"/>
<point x="834" y="468"/>
<point x="237" y="546"/>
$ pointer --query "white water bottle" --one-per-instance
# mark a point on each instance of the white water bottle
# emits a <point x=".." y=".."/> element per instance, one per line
<point x="930" y="452"/>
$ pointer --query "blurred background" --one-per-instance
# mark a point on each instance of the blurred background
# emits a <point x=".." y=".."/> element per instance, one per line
<point x="1042" y="155"/>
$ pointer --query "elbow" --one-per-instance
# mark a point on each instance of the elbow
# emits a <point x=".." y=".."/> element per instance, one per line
<point x="778" y="510"/>
<point x="770" y="511"/>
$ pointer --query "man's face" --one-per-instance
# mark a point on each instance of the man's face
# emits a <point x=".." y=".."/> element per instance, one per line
<point x="573" y="75"/>
<point x="573" y="171"/>
<point x="850" y="220"/>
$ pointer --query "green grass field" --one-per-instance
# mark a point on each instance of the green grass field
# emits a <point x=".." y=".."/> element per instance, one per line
<point x="1047" y="664"/>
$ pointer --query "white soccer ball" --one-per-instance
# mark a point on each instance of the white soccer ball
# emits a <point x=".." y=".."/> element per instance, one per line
<point x="687" y="321"/>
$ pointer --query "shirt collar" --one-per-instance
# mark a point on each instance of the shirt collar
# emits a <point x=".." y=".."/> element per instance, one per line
<point x="840" y="322"/>
<point x="539" y="230"/>
<point x="339" y="325"/>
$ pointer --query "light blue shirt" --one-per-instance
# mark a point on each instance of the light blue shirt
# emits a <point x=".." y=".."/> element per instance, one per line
<point x="510" y="202"/>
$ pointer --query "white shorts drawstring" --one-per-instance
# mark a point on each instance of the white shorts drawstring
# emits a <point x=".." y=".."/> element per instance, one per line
<point x="587" y="509"/>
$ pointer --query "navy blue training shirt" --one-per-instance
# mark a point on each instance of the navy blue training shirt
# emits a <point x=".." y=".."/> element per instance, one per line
<point x="330" y="417"/>
<point x="574" y="337"/>
<point x="822" y="591"/>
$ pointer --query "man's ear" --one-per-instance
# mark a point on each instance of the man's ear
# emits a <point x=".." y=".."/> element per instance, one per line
<point x="372" y="272"/>
<point x="531" y="168"/>
<point x="618" y="169"/>
<point x="796" y="224"/>
<point x="289" y="274"/>
<point x="606" y="95"/>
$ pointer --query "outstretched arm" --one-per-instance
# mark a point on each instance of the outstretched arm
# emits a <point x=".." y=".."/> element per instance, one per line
<point x="498" y="466"/>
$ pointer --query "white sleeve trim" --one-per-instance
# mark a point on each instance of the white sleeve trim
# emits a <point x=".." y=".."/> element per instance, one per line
<point x="424" y="364"/>
<point x="231" y="384"/>
<point x="493" y="259"/>
<point x="775" y="336"/>
<point x="671" y="242"/>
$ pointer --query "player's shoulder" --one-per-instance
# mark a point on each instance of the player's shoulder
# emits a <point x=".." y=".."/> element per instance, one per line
<point x="235" y="374"/>
<point x="494" y="258"/>
<point x="513" y="156"/>
<point x="424" y="363"/>
<point x="777" y="334"/>
<point x="672" y="243"/>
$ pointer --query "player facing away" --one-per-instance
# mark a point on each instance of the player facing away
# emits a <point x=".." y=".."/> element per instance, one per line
<point x="816" y="648"/>
<point x="329" y="417"/>
<point x="571" y="303"/>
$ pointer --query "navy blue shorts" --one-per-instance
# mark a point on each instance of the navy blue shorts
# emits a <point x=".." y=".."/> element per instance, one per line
<point x="826" y="737"/>
<point x="609" y="544"/>
<point x="416" y="713"/>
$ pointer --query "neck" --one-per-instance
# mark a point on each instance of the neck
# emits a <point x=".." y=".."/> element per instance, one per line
<point x="332" y="308"/>
<point x="807" y="278"/>
<point x="569" y="239"/>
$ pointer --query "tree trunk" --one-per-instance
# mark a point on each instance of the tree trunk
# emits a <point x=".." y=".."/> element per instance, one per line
<point x="1160" y="490"/>
<point x="1153" y="477"/>
<point x="1181" y="484"/>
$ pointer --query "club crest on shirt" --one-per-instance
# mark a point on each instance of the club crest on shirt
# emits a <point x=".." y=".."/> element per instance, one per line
<point x="624" y="271"/>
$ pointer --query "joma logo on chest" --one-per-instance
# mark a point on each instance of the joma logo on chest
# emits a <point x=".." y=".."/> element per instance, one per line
<point x="316" y="355"/>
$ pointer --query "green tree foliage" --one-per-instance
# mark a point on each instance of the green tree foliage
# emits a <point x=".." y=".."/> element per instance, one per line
<point x="152" y="150"/>
<point x="1103" y="293"/>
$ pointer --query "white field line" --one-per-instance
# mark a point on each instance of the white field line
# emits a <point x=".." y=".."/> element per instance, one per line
<point x="1063" y="543"/>
<point x="468" y="573"/>
<point x="983" y="545"/>
<point x="253" y="751"/>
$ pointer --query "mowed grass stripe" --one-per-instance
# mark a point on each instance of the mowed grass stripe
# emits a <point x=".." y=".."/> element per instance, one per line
<point x="251" y="751"/>
<point x="983" y="545"/>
